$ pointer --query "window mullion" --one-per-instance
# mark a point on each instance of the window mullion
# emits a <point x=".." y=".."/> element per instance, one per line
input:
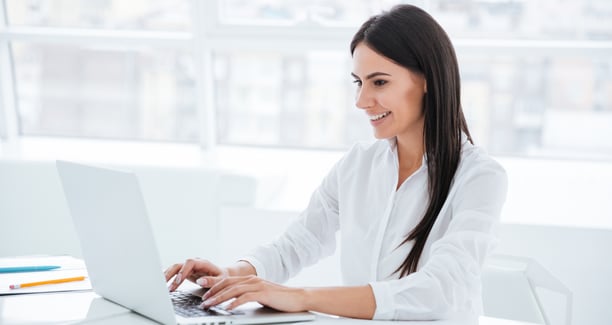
<point x="534" y="47"/>
<point x="8" y="116"/>
<point x="204" y="11"/>
<point x="97" y="37"/>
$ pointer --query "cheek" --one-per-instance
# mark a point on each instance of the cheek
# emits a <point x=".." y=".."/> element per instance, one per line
<point x="414" y="99"/>
<point x="408" y="101"/>
<point x="390" y="99"/>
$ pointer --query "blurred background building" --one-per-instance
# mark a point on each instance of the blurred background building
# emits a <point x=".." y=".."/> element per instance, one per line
<point x="537" y="75"/>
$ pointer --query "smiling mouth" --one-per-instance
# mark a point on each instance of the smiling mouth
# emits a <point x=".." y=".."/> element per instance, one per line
<point x="379" y="116"/>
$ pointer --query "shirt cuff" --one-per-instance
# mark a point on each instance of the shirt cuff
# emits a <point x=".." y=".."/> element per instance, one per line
<point x="384" y="300"/>
<point x="260" y="270"/>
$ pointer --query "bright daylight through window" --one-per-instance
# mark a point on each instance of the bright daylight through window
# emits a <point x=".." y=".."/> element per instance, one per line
<point x="536" y="75"/>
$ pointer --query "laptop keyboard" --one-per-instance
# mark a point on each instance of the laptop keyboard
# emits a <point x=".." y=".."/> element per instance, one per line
<point x="188" y="305"/>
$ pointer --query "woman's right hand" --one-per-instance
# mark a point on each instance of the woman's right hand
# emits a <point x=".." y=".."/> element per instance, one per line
<point x="193" y="269"/>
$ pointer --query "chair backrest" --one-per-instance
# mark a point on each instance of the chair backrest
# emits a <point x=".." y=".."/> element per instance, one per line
<point x="509" y="290"/>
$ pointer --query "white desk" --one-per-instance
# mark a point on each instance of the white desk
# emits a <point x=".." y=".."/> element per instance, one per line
<point x="86" y="307"/>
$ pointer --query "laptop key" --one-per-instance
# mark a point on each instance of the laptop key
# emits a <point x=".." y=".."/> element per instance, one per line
<point x="188" y="305"/>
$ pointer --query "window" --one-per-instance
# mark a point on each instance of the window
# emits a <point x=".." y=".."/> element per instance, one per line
<point x="107" y="92"/>
<point x="301" y="99"/>
<point x="104" y="69"/>
<point x="296" y="12"/>
<point x="536" y="75"/>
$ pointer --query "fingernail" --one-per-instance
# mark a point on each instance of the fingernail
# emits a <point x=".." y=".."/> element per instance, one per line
<point x="177" y="278"/>
<point x="209" y="302"/>
<point x="201" y="281"/>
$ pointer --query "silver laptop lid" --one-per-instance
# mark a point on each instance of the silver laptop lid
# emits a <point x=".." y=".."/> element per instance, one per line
<point x="116" y="239"/>
<point x="118" y="247"/>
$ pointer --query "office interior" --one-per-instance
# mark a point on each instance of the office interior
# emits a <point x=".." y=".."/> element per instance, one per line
<point x="232" y="112"/>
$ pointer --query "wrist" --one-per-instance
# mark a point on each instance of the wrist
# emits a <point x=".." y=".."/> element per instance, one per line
<point x="241" y="268"/>
<point x="308" y="298"/>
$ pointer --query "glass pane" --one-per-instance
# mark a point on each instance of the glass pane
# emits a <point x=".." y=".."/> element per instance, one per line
<point x="535" y="19"/>
<point x="538" y="19"/>
<point x="296" y="12"/>
<point x="539" y="106"/>
<point x="295" y="100"/>
<point x="105" y="92"/>
<point x="171" y="15"/>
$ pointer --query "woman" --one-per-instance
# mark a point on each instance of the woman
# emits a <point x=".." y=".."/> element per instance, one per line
<point x="416" y="209"/>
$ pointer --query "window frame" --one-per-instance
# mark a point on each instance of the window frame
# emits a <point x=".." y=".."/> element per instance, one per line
<point x="209" y="34"/>
<point x="8" y="118"/>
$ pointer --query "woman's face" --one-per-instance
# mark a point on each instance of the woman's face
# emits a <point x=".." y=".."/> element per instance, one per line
<point x="390" y="95"/>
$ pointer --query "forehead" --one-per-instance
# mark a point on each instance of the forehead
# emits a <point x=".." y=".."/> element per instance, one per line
<point x="366" y="60"/>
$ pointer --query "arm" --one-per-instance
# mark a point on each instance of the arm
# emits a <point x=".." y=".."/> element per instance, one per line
<point x="307" y="239"/>
<point x="355" y="302"/>
<point x="241" y="268"/>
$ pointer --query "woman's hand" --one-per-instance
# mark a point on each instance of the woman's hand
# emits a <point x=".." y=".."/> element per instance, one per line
<point x="193" y="269"/>
<point x="354" y="302"/>
<point x="252" y="288"/>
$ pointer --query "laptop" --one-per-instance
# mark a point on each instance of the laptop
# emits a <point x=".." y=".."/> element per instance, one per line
<point x="121" y="256"/>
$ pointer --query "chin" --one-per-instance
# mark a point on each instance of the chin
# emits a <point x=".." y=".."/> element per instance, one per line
<point x="382" y="136"/>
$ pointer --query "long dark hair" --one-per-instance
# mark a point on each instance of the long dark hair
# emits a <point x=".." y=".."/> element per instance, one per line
<point x="413" y="39"/>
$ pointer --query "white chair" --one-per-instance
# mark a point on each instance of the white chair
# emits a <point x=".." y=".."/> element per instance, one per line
<point x="509" y="286"/>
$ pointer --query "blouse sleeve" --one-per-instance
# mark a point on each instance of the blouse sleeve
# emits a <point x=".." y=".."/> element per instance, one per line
<point x="450" y="278"/>
<point x="308" y="239"/>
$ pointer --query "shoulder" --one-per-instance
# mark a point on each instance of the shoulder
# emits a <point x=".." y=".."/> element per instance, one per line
<point x="476" y="162"/>
<point x="480" y="182"/>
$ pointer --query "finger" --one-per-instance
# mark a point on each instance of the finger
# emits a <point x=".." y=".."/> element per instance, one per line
<point x="208" y="281"/>
<point x="231" y="292"/>
<point x="203" y="268"/>
<point x="172" y="270"/>
<point x="212" y="290"/>
<point x="243" y="299"/>
<point x="222" y="283"/>
<point x="183" y="273"/>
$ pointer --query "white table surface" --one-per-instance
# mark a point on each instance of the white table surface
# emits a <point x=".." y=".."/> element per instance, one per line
<point x="86" y="307"/>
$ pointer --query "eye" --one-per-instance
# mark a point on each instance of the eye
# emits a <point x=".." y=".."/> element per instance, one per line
<point x="357" y="82"/>
<point x="379" y="82"/>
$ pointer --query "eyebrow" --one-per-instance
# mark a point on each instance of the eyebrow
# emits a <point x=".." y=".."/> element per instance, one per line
<point x="371" y="75"/>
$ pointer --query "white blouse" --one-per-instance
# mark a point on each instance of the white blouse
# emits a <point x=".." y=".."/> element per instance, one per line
<point x="359" y="198"/>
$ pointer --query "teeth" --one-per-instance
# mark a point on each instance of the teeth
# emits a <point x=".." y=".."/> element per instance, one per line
<point x="379" y="116"/>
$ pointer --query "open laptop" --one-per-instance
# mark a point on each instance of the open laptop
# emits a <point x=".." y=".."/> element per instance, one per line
<point x="122" y="260"/>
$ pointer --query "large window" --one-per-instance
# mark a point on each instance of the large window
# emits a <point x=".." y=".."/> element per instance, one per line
<point x="536" y="75"/>
<point x="103" y="69"/>
<point x="286" y="99"/>
<point x="109" y="92"/>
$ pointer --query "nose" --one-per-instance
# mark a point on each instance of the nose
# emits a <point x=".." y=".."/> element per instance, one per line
<point x="363" y="98"/>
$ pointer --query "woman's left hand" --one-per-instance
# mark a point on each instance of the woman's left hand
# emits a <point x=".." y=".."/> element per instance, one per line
<point x="252" y="288"/>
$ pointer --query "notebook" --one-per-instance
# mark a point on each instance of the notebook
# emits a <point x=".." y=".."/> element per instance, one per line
<point x="120" y="252"/>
